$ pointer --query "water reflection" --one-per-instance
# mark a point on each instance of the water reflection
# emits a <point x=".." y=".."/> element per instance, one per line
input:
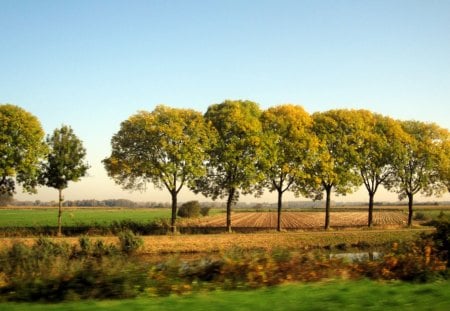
<point x="358" y="256"/>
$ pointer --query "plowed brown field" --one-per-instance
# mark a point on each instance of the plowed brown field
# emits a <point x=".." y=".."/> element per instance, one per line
<point x="300" y="220"/>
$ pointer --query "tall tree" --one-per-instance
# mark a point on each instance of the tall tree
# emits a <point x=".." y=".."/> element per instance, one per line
<point x="374" y="140"/>
<point x="232" y="168"/>
<point x="334" y="165"/>
<point x="21" y="148"/>
<point x="167" y="147"/>
<point x="289" y="145"/>
<point x="65" y="162"/>
<point x="418" y="164"/>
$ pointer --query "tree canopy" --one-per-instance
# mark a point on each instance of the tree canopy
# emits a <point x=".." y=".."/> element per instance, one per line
<point x="166" y="147"/>
<point x="21" y="149"/>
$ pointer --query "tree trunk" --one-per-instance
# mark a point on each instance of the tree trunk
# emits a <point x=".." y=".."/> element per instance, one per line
<point x="327" y="207"/>
<point x="230" y="199"/>
<point x="60" y="200"/>
<point x="173" y="226"/>
<point x="370" y="220"/>
<point x="410" y="209"/>
<point x="280" y="202"/>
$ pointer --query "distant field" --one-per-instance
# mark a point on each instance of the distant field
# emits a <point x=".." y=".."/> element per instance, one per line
<point x="35" y="217"/>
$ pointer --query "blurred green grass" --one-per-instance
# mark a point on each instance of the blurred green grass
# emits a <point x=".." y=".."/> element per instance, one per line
<point x="333" y="295"/>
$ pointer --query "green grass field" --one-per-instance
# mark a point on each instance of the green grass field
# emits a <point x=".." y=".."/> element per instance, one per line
<point x="36" y="217"/>
<point x="358" y="295"/>
<point x="42" y="216"/>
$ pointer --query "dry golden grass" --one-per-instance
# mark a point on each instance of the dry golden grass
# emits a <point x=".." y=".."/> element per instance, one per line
<point x="206" y="243"/>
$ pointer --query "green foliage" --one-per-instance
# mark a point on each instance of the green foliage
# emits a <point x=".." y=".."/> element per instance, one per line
<point x="189" y="209"/>
<point x="21" y="149"/>
<point x="289" y="145"/>
<point x="336" y="160"/>
<point x="65" y="161"/>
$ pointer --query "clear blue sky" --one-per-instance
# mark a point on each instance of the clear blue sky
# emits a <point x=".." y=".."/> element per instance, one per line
<point x="91" y="64"/>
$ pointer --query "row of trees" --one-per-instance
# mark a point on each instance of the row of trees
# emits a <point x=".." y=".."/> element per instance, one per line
<point x="236" y="148"/>
<point x="28" y="159"/>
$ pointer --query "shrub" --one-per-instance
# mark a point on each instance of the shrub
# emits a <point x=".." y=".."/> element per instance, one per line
<point x="97" y="249"/>
<point x="85" y="244"/>
<point x="421" y="216"/>
<point x="44" y="248"/>
<point x="75" y="279"/>
<point x="442" y="240"/>
<point x="442" y="215"/>
<point x="204" y="210"/>
<point x="189" y="209"/>
<point x="129" y="242"/>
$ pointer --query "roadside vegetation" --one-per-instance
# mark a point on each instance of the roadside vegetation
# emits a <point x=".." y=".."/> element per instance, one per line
<point x="54" y="270"/>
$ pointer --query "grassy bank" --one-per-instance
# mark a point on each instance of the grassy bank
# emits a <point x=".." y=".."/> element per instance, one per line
<point x="357" y="295"/>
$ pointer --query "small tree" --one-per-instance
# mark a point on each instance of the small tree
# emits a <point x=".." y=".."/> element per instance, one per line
<point x="21" y="149"/>
<point x="65" y="162"/>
